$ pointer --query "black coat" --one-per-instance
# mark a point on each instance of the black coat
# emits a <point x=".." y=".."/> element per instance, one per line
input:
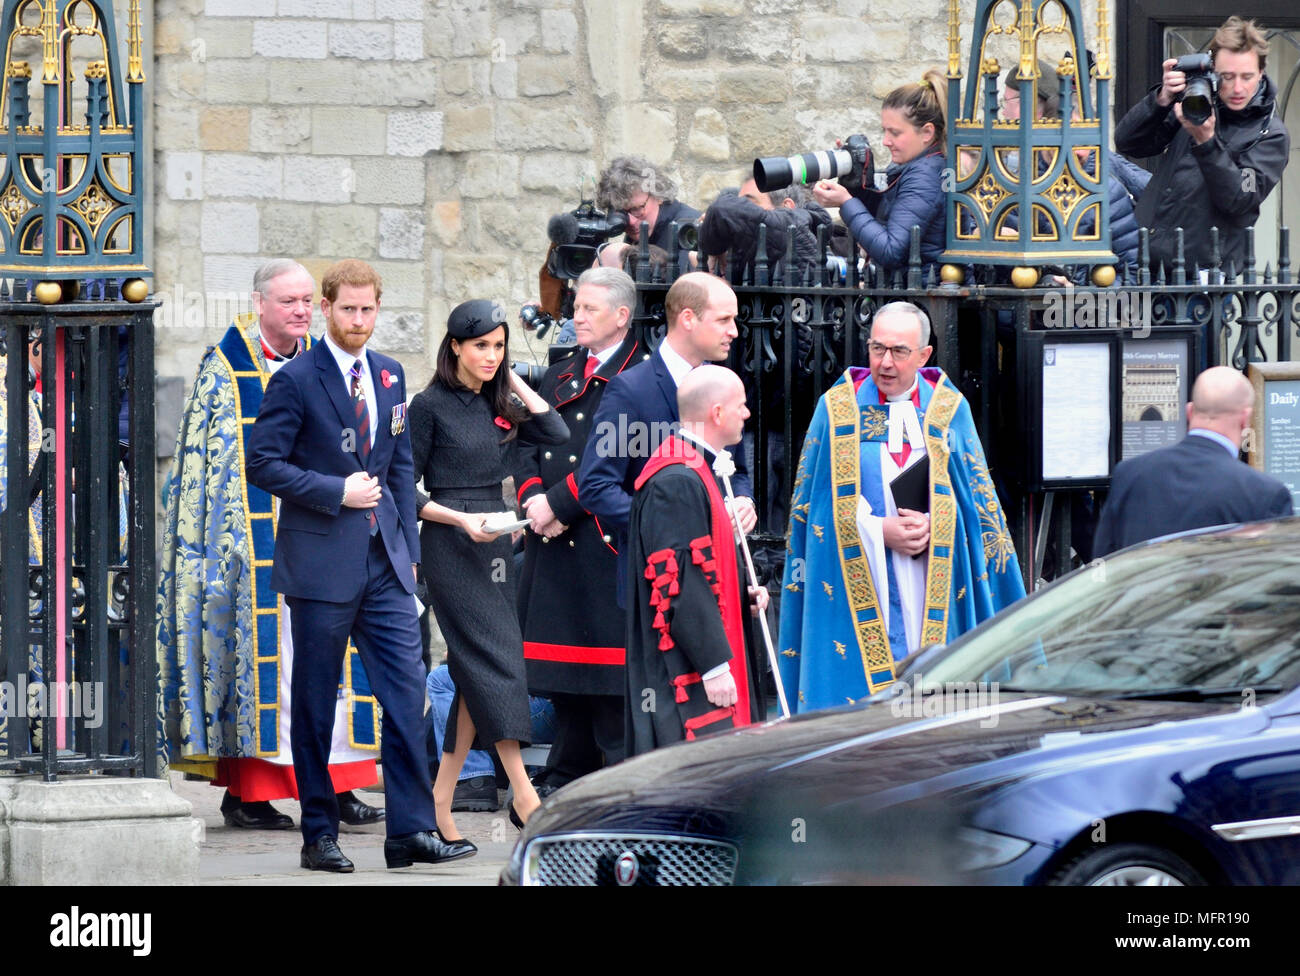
<point x="1199" y="187"/>
<point x="639" y="412"/>
<point x="671" y="515"/>
<point x="568" y="609"/>
<point x="1191" y="485"/>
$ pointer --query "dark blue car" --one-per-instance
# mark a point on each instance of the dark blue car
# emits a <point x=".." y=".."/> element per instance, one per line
<point x="1137" y="723"/>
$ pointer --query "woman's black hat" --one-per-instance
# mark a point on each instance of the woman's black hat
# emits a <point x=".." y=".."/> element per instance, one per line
<point x="469" y="320"/>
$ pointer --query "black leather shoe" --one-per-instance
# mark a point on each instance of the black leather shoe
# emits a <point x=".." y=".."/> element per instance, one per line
<point x="425" y="846"/>
<point x="324" y="855"/>
<point x="460" y="845"/>
<point x="354" y="813"/>
<point x="254" y="816"/>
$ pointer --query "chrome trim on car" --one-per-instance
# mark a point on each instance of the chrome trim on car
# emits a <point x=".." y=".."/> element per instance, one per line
<point x="1259" y="829"/>
<point x="624" y="843"/>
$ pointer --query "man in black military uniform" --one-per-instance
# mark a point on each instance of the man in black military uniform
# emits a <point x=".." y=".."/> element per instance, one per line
<point x="573" y="628"/>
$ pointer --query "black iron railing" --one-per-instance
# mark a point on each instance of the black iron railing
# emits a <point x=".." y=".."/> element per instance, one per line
<point x="801" y="327"/>
<point x="77" y="662"/>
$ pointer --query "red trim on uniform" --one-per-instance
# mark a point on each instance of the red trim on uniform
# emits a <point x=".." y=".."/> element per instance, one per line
<point x="708" y="718"/>
<point x="681" y="681"/>
<point x="526" y="485"/>
<point x="719" y="566"/>
<point x="572" y="482"/>
<point x="603" y="534"/>
<point x="255" y="780"/>
<point x="572" y="654"/>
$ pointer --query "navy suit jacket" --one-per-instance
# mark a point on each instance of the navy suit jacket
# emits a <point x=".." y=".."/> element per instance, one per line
<point x="297" y="450"/>
<point x="1190" y="485"/>
<point x="637" y="413"/>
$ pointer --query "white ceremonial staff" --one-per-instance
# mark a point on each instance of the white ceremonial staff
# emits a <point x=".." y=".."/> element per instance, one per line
<point x="724" y="468"/>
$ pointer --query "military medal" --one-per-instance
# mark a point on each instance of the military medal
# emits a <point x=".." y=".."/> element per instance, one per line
<point x="398" y="423"/>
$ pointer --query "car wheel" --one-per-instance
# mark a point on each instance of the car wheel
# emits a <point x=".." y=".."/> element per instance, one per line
<point x="1121" y="865"/>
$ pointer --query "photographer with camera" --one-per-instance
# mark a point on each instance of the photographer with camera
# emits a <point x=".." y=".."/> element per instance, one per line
<point x="1215" y="120"/>
<point x="881" y="221"/>
<point x="641" y="190"/>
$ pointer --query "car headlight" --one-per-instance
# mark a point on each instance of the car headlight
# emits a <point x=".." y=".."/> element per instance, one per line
<point x="978" y="849"/>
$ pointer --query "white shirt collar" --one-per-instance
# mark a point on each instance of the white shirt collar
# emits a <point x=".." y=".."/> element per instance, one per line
<point x="677" y="366"/>
<point x="604" y="355"/>
<point x="345" y="359"/>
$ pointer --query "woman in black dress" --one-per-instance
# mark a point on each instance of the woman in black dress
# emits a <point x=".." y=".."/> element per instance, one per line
<point x="463" y="431"/>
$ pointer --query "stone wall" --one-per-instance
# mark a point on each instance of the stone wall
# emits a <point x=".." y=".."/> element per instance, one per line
<point x="435" y="138"/>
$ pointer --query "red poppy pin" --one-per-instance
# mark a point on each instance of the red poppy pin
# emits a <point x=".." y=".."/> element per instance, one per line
<point x="503" y="423"/>
<point x="388" y="378"/>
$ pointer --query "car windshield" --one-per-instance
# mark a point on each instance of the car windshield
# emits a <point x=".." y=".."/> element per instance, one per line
<point x="1194" y="618"/>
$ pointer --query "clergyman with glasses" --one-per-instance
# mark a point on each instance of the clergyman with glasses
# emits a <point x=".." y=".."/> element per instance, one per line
<point x="897" y="536"/>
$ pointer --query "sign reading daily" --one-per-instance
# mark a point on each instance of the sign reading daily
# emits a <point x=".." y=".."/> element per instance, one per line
<point x="1275" y="429"/>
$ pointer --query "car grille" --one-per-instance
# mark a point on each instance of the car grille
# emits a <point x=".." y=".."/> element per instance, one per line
<point x="660" y="860"/>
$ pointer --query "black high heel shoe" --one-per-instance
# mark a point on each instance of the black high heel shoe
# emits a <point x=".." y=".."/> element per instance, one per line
<point x="514" y="816"/>
<point x="460" y="847"/>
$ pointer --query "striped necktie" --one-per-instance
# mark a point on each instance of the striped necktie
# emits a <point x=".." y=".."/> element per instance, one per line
<point x="363" y="415"/>
<point x="363" y="428"/>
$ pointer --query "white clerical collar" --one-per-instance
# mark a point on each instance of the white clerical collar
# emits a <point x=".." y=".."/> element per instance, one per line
<point x="907" y="394"/>
<point x="694" y="438"/>
<point x="677" y="366"/>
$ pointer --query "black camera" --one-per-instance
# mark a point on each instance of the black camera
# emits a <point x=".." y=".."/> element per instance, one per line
<point x="851" y="164"/>
<point x="1198" y="96"/>
<point x="534" y="318"/>
<point x="576" y="235"/>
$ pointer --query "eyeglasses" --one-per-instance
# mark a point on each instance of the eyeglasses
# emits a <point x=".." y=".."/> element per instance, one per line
<point x="878" y="350"/>
<point x="638" y="211"/>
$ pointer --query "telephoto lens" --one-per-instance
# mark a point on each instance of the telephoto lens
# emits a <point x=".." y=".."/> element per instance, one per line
<point x="1198" y="97"/>
<point x="774" y="172"/>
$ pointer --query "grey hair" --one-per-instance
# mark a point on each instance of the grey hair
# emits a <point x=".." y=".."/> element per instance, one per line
<point x="907" y="308"/>
<point x="627" y="176"/>
<point x="272" y="270"/>
<point x="619" y="287"/>
<point x="793" y="192"/>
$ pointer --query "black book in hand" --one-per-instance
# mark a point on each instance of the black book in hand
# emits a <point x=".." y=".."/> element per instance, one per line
<point x="911" y="488"/>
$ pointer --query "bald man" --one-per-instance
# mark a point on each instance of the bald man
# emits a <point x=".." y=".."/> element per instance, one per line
<point x="1198" y="482"/>
<point x="690" y="655"/>
<point x="639" y="407"/>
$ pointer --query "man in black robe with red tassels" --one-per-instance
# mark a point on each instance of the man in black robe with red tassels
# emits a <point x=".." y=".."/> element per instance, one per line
<point x="690" y="653"/>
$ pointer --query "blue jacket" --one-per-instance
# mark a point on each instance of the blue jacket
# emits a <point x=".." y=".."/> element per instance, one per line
<point x="914" y="197"/>
<point x="295" y="453"/>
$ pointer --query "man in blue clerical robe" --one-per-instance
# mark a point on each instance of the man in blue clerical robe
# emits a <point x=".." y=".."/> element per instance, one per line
<point x="867" y="581"/>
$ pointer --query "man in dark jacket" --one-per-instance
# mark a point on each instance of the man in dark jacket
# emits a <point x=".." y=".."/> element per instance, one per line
<point x="1198" y="482"/>
<point x="639" y="188"/>
<point x="568" y="608"/>
<point x="1216" y="174"/>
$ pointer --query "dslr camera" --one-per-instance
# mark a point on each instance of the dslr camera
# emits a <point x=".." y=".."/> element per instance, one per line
<point x="577" y="234"/>
<point x="851" y="164"/>
<point x="1198" y="96"/>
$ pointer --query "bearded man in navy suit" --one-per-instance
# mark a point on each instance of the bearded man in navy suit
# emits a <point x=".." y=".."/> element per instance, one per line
<point x="1197" y="482"/>
<point x="331" y="442"/>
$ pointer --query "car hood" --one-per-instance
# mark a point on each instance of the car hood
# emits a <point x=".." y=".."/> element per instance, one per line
<point x="877" y="755"/>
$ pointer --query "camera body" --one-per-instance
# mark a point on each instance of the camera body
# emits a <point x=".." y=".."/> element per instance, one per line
<point x="577" y="234"/>
<point x="1198" y="96"/>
